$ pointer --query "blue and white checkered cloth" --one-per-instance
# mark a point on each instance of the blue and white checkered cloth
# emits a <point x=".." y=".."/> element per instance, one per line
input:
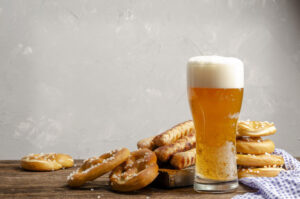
<point x="286" y="185"/>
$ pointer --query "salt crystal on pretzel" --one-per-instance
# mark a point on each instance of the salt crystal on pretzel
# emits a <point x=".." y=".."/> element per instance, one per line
<point x="95" y="167"/>
<point x="259" y="172"/>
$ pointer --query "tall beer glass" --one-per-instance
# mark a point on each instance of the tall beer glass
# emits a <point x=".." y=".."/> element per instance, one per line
<point x="215" y="91"/>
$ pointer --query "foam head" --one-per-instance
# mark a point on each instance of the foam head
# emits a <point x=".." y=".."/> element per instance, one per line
<point x="215" y="72"/>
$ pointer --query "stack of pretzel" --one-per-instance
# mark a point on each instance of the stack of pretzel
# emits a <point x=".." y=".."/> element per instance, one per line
<point x="254" y="158"/>
<point x="175" y="146"/>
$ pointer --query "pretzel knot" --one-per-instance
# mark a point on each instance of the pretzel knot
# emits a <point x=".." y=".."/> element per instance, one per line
<point x="95" y="167"/>
<point x="46" y="162"/>
<point x="137" y="172"/>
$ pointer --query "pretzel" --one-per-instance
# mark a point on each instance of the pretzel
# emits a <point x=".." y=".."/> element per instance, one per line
<point x="255" y="128"/>
<point x="137" y="172"/>
<point x="95" y="167"/>
<point x="259" y="172"/>
<point x="164" y="153"/>
<point x="254" y="145"/>
<point x="46" y="162"/>
<point x="146" y="143"/>
<point x="259" y="160"/>
<point x="184" y="159"/>
<point x="175" y="133"/>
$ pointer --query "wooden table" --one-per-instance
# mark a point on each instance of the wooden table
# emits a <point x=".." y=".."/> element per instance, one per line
<point x="17" y="183"/>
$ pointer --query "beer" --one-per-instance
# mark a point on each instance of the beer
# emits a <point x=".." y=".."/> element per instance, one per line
<point x="215" y="92"/>
<point x="215" y="117"/>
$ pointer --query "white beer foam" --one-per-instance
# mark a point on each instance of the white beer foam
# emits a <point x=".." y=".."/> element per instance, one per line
<point x="215" y="72"/>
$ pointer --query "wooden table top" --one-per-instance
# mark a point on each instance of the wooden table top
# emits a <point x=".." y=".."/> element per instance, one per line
<point x="18" y="183"/>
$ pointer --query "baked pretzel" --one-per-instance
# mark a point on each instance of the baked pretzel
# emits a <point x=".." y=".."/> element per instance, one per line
<point x="259" y="172"/>
<point x="259" y="160"/>
<point x="184" y="159"/>
<point x="175" y="133"/>
<point x="95" y="167"/>
<point x="255" y="128"/>
<point x="46" y="162"/>
<point x="188" y="142"/>
<point x="137" y="172"/>
<point x="147" y="143"/>
<point x="254" y="145"/>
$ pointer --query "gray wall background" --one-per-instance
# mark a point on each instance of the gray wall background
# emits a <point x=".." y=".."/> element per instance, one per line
<point x="83" y="77"/>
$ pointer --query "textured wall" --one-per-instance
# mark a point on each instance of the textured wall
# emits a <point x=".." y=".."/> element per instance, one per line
<point x="83" y="77"/>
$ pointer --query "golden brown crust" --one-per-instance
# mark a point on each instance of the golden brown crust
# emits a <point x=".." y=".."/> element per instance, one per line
<point x="259" y="172"/>
<point x="184" y="159"/>
<point x="175" y="133"/>
<point x="137" y="172"/>
<point x="164" y="153"/>
<point x="46" y="162"/>
<point x="255" y="128"/>
<point x="95" y="167"/>
<point x="254" y="145"/>
<point x="147" y="143"/>
<point x="259" y="160"/>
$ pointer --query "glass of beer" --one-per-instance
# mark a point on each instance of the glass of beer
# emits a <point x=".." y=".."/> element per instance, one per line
<point x="215" y="92"/>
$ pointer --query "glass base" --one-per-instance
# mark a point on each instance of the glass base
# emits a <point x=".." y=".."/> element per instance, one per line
<point x="212" y="186"/>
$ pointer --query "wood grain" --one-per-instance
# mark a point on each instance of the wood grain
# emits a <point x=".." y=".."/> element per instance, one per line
<point x="18" y="183"/>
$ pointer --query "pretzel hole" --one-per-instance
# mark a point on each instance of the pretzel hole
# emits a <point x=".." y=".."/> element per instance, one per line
<point x="131" y="168"/>
<point x="90" y="163"/>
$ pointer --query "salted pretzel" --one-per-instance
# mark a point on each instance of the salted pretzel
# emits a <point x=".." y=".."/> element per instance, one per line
<point x="259" y="160"/>
<point x="146" y="143"/>
<point x="46" y="162"/>
<point x="164" y="153"/>
<point x="259" y="172"/>
<point x="254" y="145"/>
<point x="184" y="159"/>
<point x="175" y="133"/>
<point x="95" y="167"/>
<point x="137" y="172"/>
<point x="255" y="128"/>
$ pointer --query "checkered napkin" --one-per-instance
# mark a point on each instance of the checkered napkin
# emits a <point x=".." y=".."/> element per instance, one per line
<point x="285" y="185"/>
